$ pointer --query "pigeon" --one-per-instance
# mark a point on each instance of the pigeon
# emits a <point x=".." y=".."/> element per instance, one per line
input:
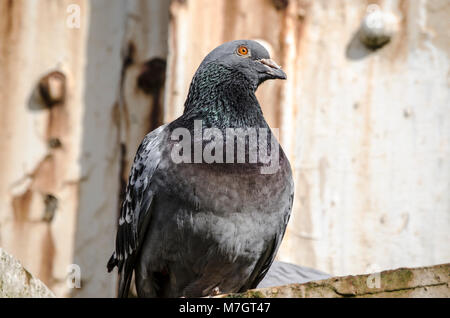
<point x="193" y="225"/>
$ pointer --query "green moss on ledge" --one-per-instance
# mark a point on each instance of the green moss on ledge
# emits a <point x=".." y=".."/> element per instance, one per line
<point x="430" y="281"/>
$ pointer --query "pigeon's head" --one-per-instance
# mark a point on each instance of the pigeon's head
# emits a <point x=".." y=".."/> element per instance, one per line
<point x="247" y="57"/>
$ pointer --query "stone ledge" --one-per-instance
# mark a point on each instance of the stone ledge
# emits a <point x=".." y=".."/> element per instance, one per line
<point x="17" y="282"/>
<point x="433" y="281"/>
<point x="400" y="283"/>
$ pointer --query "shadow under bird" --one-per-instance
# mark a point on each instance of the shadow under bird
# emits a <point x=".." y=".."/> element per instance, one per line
<point x="199" y="229"/>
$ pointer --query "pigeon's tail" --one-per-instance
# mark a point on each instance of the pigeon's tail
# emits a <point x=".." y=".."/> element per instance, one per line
<point x="125" y="280"/>
<point x="125" y="270"/>
<point x="113" y="262"/>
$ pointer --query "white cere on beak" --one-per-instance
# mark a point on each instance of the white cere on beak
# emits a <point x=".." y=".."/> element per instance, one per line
<point x="270" y="63"/>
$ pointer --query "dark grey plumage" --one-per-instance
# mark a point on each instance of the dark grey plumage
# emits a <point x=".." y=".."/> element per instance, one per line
<point x="194" y="229"/>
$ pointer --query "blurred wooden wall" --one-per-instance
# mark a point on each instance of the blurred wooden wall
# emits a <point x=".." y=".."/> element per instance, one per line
<point x="367" y="132"/>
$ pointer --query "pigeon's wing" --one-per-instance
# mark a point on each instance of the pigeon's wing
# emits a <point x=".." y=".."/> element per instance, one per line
<point x="266" y="260"/>
<point x="135" y="211"/>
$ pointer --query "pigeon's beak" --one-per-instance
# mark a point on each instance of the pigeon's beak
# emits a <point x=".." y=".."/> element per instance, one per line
<point x="273" y="69"/>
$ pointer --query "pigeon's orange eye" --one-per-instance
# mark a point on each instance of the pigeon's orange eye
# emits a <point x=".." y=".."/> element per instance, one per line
<point x="242" y="50"/>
